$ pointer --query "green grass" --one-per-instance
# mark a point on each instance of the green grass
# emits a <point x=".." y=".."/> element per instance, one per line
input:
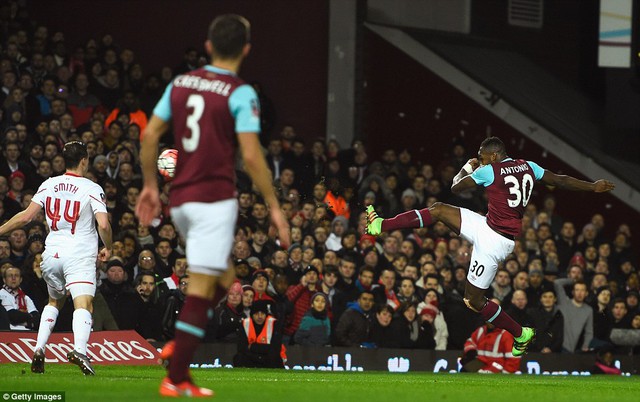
<point x="113" y="383"/>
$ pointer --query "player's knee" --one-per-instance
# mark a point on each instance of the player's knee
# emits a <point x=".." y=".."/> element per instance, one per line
<point x="436" y="208"/>
<point x="474" y="303"/>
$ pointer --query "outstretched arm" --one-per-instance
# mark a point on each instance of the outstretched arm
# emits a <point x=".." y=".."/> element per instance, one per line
<point x="20" y="219"/>
<point x="571" y="183"/>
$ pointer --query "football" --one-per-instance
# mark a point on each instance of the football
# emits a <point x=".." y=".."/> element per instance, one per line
<point x="167" y="163"/>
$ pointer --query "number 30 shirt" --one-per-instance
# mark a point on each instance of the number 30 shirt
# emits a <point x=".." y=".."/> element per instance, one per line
<point x="509" y="185"/>
<point x="207" y="106"/>
<point x="70" y="203"/>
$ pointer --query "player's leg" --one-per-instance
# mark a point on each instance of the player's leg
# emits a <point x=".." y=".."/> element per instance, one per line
<point x="47" y="323"/>
<point x="81" y="283"/>
<point x="489" y="249"/>
<point x="53" y="276"/>
<point x="448" y="214"/>
<point x="208" y="230"/>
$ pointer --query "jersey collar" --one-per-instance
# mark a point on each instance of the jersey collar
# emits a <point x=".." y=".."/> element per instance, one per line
<point x="218" y="70"/>
<point x="72" y="174"/>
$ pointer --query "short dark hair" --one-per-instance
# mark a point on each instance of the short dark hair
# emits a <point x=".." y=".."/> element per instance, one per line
<point x="494" y="144"/>
<point x="229" y="33"/>
<point x="73" y="152"/>
<point x="138" y="280"/>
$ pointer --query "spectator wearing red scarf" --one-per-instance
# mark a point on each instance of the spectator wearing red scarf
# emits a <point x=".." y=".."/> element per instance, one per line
<point x="23" y="314"/>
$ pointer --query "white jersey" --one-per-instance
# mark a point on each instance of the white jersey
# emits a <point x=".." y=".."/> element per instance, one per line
<point x="70" y="203"/>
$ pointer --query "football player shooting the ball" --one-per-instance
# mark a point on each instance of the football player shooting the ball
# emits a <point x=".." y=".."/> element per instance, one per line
<point x="509" y="184"/>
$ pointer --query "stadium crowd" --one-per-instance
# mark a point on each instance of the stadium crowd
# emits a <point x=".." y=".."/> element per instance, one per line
<point x="335" y="285"/>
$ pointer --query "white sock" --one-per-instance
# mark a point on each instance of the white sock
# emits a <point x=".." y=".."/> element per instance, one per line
<point x="81" y="330"/>
<point x="47" y="322"/>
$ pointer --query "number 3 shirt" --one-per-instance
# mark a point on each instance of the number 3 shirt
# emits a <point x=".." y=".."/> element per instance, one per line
<point x="70" y="203"/>
<point x="207" y="106"/>
<point x="509" y="185"/>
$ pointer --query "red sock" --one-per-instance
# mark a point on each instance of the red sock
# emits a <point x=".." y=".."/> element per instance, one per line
<point x="494" y="314"/>
<point x="190" y="329"/>
<point x="408" y="220"/>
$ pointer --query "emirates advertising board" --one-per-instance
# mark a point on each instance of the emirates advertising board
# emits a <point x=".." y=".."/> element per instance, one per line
<point x="104" y="348"/>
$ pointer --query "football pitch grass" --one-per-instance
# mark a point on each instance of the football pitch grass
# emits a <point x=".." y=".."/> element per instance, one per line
<point x="117" y="383"/>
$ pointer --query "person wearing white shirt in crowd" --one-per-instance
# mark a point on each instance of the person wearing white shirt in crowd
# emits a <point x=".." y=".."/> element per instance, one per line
<point x="23" y="314"/>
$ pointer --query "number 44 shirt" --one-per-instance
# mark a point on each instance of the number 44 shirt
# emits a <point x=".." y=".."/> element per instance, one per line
<point x="70" y="203"/>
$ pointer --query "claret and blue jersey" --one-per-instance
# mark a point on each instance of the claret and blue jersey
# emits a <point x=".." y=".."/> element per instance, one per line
<point x="509" y="185"/>
<point x="207" y="107"/>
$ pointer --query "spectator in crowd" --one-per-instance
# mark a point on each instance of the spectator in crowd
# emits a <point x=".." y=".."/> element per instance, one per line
<point x="381" y="334"/>
<point x="619" y="312"/>
<point x="547" y="318"/>
<point x="248" y="294"/>
<point x="385" y="293"/>
<point x="605" y="363"/>
<point x="339" y="226"/>
<point x="355" y="323"/>
<point x="260" y="340"/>
<point x="173" y="306"/>
<point x="518" y="308"/>
<point x="124" y="303"/>
<point x="22" y="313"/>
<point x="260" y="284"/>
<point x="430" y="312"/>
<point x="315" y="327"/>
<point x="578" y="316"/>
<point x="488" y="350"/>
<point x="300" y="295"/>
<point x="602" y="319"/>
<point x="150" y="319"/>
<point x="179" y="269"/>
<point x="408" y="330"/>
<point x="228" y="316"/>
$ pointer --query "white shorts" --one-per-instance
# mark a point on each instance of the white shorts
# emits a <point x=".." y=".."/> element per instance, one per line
<point x="66" y="272"/>
<point x="489" y="248"/>
<point x="208" y="229"/>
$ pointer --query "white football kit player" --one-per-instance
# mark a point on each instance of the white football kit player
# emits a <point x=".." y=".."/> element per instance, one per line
<point x="70" y="203"/>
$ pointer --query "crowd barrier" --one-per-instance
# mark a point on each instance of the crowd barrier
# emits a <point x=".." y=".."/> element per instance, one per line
<point x="128" y="348"/>
<point x="217" y="355"/>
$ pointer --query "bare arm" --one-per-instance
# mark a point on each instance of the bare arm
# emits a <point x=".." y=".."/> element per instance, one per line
<point x="463" y="181"/>
<point x="571" y="183"/>
<point x="20" y="219"/>
<point x="148" y="206"/>
<point x="104" y="230"/>
<point x="258" y="170"/>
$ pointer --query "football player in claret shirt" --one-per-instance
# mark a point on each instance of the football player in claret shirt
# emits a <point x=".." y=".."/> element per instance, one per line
<point x="211" y="109"/>
<point x="509" y="184"/>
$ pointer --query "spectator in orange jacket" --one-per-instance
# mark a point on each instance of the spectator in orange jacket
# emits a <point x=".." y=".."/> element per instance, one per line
<point x="128" y="104"/>
<point x="260" y="340"/>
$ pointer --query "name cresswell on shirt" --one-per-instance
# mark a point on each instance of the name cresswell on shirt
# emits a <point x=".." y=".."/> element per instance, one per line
<point x="514" y="169"/>
<point x="202" y="84"/>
